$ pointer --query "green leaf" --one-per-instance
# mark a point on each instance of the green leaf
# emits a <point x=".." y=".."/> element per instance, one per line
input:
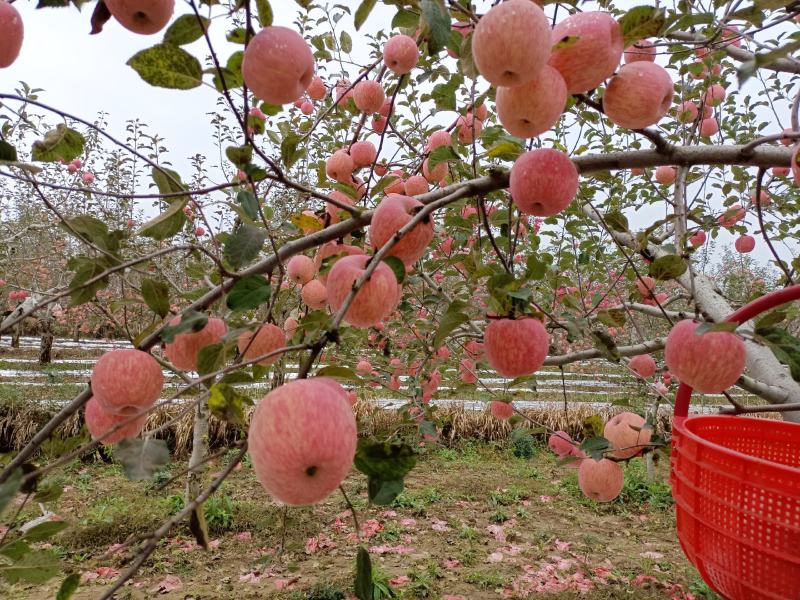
<point x="167" y="66"/>
<point x="33" y="567"/>
<point x="85" y="268"/>
<point x="616" y="220"/>
<point x="9" y="489"/>
<point x="156" y="296"/>
<point x="346" y="42"/>
<point x="438" y="19"/>
<point x="382" y="492"/>
<point x="397" y="266"/>
<point x="141" y="458"/>
<point x="227" y="403"/>
<point x="211" y="358"/>
<point x="165" y="225"/>
<point x="15" y="550"/>
<point x="265" y="14"/>
<point x="61" y="143"/>
<point x="595" y="447"/>
<point x="186" y="29"/>
<point x="613" y="317"/>
<point x="249" y="292"/>
<point x="770" y="319"/>
<point x="191" y="321"/>
<point x="243" y="245"/>
<point x="364" y="587"/>
<point x="239" y="155"/>
<point x="249" y="203"/>
<point x="68" y="587"/>
<point x="667" y="267"/>
<point x="450" y="320"/>
<point x="505" y="149"/>
<point x="727" y="326"/>
<point x="642" y="22"/>
<point x="784" y="346"/>
<point x="7" y="152"/>
<point x="384" y="462"/>
<point x="405" y="19"/>
<point x="362" y="12"/>
<point x="305" y="222"/>
<point x="337" y="373"/>
<point x="605" y="344"/>
<point x="442" y="154"/>
<point x="289" y="151"/>
<point x="44" y="531"/>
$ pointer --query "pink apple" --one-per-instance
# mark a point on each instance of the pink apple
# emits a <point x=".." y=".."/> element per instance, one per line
<point x="516" y="347"/>
<point x="587" y="48"/>
<point x="369" y="96"/>
<point x="643" y="50"/>
<point x="126" y="381"/>
<point x="438" y="173"/>
<point x="710" y="363"/>
<point x="698" y="239"/>
<point x="264" y="340"/>
<point x="543" y="182"/>
<point x="714" y="95"/>
<point x="439" y="138"/>
<point x="99" y="421"/>
<point x="643" y="365"/>
<point x="627" y="434"/>
<point x="469" y="128"/>
<point x="601" y="480"/>
<point x="278" y="65"/>
<point x="416" y="185"/>
<point x="745" y="244"/>
<point x="315" y="294"/>
<point x="183" y="350"/>
<point x="316" y="90"/>
<point x="687" y="112"/>
<point x="400" y="54"/>
<point x="709" y="127"/>
<point x="501" y="410"/>
<point x="12" y="31"/>
<point x="530" y="109"/>
<point x="639" y="95"/>
<point x="302" y="440"/>
<point x="561" y="443"/>
<point x="340" y="167"/>
<point x="144" y="17"/>
<point x="300" y="269"/>
<point x="511" y="43"/>
<point x="363" y="153"/>
<point x="665" y="175"/>
<point x="374" y="300"/>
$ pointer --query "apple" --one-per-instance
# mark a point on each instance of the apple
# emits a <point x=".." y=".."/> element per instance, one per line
<point x="400" y="54"/>
<point x="639" y="95"/>
<point x="144" y="17"/>
<point x="126" y="381"/>
<point x="516" y="347"/>
<point x="12" y="32"/>
<point x="530" y="109"/>
<point x="278" y="65"/>
<point x="267" y="338"/>
<point x="543" y="182"/>
<point x="373" y="302"/>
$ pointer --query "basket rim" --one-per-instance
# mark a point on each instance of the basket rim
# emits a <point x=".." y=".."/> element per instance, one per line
<point x="679" y="426"/>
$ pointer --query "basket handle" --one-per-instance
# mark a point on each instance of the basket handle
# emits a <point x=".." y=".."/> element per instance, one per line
<point x="745" y="313"/>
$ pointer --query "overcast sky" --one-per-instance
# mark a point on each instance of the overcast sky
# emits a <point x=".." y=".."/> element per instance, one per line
<point x="84" y="74"/>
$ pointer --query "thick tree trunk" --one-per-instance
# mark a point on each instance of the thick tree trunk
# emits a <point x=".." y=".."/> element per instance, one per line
<point x="76" y="333"/>
<point x="46" y="341"/>
<point x="199" y="451"/>
<point x="15" y="334"/>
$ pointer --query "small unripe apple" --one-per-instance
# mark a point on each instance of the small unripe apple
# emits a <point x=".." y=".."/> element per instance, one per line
<point x="144" y="17"/>
<point x="516" y="347"/>
<point x="638" y="95"/>
<point x="278" y="65"/>
<point x="302" y="440"/>
<point x="710" y="363"/>
<point x="264" y="340"/>
<point x="511" y="43"/>
<point x="532" y="108"/>
<point x="543" y="182"/>
<point x="12" y="31"/>
<point x="601" y="480"/>
<point x="126" y="381"/>
<point x="587" y="48"/>
<point x="400" y="54"/>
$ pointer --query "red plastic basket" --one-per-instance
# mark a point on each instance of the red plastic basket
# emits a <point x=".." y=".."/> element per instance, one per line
<point x="736" y="484"/>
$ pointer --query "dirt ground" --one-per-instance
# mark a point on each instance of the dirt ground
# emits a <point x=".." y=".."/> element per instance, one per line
<point x="474" y="522"/>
